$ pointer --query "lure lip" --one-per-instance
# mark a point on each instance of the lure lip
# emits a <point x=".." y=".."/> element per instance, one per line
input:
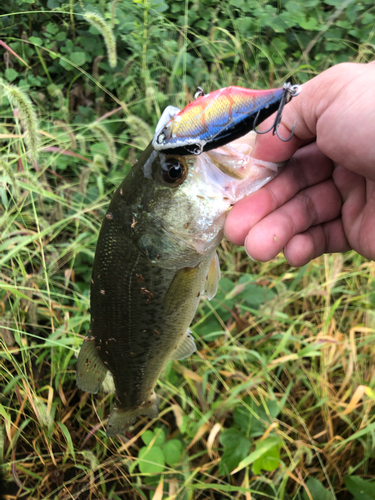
<point x="166" y="142"/>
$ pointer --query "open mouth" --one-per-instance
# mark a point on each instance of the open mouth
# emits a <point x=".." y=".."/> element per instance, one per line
<point x="231" y="172"/>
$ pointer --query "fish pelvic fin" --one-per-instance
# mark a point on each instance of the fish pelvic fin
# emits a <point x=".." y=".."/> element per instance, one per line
<point x="213" y="278"/>
<point x="185" y="347"/>
<point x="120" y="420"/>
<point x="91" y="370"/>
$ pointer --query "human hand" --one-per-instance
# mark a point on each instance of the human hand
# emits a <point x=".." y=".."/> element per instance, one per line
<point x="324" y="199"/>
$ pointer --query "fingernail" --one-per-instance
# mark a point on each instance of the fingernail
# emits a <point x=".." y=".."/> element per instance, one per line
<point x="250" y="257"/>
<point x="286" y="258"/>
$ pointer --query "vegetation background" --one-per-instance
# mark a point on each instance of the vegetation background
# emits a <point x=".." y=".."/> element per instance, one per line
<point x="278" y="401"/>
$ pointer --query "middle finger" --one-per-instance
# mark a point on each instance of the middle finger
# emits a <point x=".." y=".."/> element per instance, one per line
<point x="314" y="205"/>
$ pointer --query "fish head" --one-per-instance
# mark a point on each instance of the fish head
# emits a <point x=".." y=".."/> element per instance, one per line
<point x="198" y="165"/>
<point x="188" y="197"/>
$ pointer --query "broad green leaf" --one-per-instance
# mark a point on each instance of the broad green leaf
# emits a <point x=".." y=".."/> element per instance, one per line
<point x="147" y="437"/>
<point x="65" y="64"/>
<point x="207" y="328"/>
<point x="236" y="447"/>
<point x="52" y="28"/>
<point x="60" y="37"/>
<point x="317" y="490"/>
<point x="254" y="295"/>
<point x="253" y="420"/>
<point x="172" y="451"/>
<point x="263" y="448"/>
<point x="151" y="461"/>
<point x="160" y="436"/>
<point x="269" y="461"/>
<point x="78" y="58"/>
<point x="36" y="40"/>
<point x="359" y="488"/>
<point x="11" y="74"/>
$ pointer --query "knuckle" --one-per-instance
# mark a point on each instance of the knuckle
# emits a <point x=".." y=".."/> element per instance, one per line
<point x="309" y="208"/>
<point x="274" y="199"/>
<point x="295" y="166"/>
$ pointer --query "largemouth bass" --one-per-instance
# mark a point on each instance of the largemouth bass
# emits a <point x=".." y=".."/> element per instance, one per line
<point x="155" y="258"/>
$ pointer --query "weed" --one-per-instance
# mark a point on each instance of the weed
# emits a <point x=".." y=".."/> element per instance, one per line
<point x="278" y="401"/>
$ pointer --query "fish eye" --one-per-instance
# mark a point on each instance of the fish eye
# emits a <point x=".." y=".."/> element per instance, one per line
<point x="174" y="170"/>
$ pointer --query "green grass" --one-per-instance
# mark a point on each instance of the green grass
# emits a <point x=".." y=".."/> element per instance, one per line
<point x="285" y="356"/>
<point x="308" y="347"/>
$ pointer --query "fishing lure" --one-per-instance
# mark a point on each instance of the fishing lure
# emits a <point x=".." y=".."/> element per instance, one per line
<point x="220" y="117"/>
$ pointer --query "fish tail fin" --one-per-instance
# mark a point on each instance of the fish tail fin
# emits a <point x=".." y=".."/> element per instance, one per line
<point x="120" y="420"/>
<point x="91" y="370"/>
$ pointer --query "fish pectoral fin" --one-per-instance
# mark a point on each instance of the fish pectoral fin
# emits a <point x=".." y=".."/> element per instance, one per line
<point x="184" y="283"/>
<point x="120" y="420"/>
<point x="91" y="371"/>
<point x="213" y="278"/>
<point x="185" y="347"/>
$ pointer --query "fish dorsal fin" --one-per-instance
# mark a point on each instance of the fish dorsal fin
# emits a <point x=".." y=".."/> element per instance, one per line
<point x="213" y="278"/>
<point x="91" y="370"/>
<point x="185" y="347"/>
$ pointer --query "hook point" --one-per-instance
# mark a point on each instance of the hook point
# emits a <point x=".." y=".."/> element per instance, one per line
<point x="291" y="134"/>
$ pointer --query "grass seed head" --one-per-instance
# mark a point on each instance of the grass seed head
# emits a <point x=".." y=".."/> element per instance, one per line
<point x="69" y="133"/>
<point x="55" y="92"/>
<point x="20" y="100"/>
<point x="141" y="130"/>
<point x="104" y="136"/>
<point x="81" y="140"/>
<point x="7" y="171"/>
<point x="104" y="28"/>
<point x="113" y="11"/>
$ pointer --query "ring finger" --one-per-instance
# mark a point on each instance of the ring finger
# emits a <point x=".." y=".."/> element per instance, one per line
<point x="314" y="205"/>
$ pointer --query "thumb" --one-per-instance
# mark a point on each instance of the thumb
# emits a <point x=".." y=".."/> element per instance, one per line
<point x="333" y="95"/>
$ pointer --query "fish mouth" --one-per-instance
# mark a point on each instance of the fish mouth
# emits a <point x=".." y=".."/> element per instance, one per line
<point x="231" y="173"/>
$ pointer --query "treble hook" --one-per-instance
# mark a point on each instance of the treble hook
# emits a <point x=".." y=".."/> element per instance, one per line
<point x="289" y="92"/>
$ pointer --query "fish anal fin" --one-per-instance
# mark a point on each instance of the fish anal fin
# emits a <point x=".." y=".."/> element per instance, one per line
<point x="91" y="370"/>
<point x="213" y="278"/>
<point x="120" y="420"/>
<point x="185" y="347"/>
